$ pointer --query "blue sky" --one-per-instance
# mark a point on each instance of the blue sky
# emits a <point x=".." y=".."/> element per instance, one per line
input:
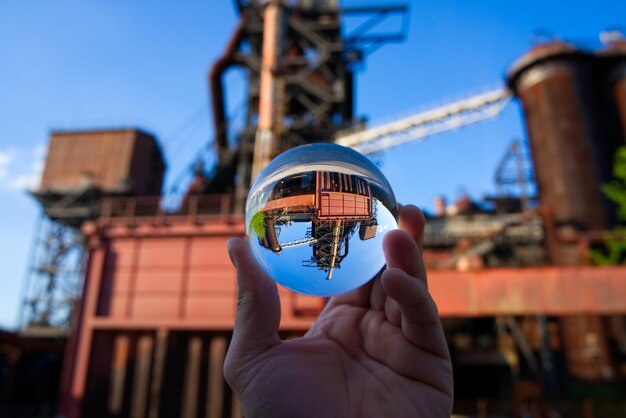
<point x="97" y="64"/>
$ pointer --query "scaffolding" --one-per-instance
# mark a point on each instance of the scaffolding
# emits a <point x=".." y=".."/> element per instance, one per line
<point x="54" y="279"/>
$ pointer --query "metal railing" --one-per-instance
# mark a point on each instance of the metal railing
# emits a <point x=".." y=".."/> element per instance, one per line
<point x="150" y="209"/>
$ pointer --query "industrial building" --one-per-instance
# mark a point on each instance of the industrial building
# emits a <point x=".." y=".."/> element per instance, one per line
<point x="530" y="322"/>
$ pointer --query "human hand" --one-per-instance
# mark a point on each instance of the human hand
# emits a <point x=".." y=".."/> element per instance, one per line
<point x="378" y="351"/>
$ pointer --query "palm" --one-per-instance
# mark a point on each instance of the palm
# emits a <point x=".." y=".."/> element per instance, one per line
<point x="364" y="356"/>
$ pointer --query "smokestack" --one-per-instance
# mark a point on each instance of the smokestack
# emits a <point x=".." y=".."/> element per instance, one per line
<point x="573" y="132"/>
<point x="554" y="83"/>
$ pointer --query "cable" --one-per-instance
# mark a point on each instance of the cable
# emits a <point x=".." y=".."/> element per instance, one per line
<point x="195" y="124"/>
<point x="204" y="149"/>
<point x="170" y="139"/>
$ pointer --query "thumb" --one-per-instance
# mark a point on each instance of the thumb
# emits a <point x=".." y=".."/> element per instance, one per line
<point x="258" y="305"/>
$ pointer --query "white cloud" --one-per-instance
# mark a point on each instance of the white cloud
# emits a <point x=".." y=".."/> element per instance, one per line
<point x="31" y="180"/>
<point x="22" y="171"/>
<point x="40" y="151"/>
<point x="6" y="158"/>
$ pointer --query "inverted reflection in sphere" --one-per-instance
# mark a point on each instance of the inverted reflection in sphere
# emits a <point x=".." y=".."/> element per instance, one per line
<point x="316" y="217"/>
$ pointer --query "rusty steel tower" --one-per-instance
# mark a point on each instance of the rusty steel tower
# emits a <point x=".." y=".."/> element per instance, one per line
<point x="300" y="58"/>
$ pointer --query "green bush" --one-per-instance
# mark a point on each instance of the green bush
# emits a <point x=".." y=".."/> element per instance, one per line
<point x="614" y="252"/>
<point x="257" y="224"/>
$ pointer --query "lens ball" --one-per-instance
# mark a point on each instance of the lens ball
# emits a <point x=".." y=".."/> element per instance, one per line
<point x="316" y="216"/>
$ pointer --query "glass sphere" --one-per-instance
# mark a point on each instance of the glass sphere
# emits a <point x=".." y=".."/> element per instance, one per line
<point x="316" y="216"/>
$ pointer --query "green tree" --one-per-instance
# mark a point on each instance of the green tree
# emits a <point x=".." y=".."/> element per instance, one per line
<point x="257" y="224"/>
<point x="615" y="242"/>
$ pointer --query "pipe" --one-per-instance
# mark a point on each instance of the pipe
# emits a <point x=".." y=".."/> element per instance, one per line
<point x="217" y="90"/>
<point x="265" y="143"/>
